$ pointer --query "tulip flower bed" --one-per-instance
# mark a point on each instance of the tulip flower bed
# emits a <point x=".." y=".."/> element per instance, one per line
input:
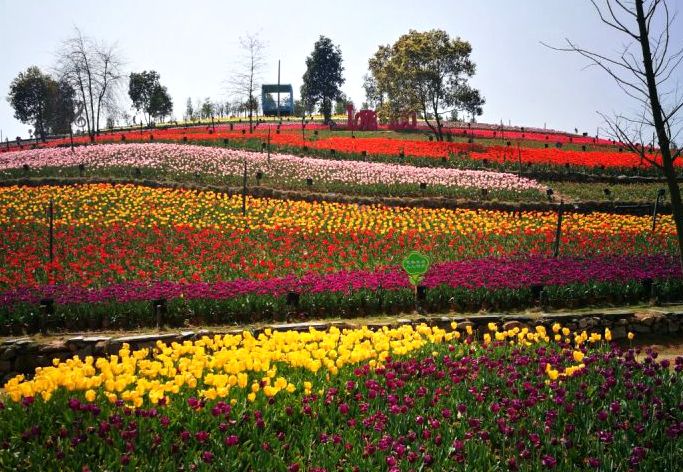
<point x="118" y="247"/>
<point x="178" y="162"/>
<point x="107" y="234"/>
<point x="499" y="284"/>
<point x="402" y="399"/>
<point x="501" y="156"/>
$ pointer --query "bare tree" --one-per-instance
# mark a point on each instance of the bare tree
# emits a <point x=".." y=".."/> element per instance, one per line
<point x="94" y="70"/>
<point x="245" y="79"/>
<point x="645" y="70"/>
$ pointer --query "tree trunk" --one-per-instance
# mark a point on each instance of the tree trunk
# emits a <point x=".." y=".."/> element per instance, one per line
<point x="327" y="110"/>
<point x="431" y="126"/>
<point x="660" y="128"/>
<point x="251" y="113"/>
<point x="97" y="121"/>
<point x="439" y="130"/>
<point x="84" y="100"/>
<point x="92" y="108"/>
<point x="91" y="99"/>
<point x="40" y="125"/>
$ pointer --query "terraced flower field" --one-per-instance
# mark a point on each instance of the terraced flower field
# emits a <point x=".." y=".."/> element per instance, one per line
<point x="183" y="162"/>
<point x="574" y="151"/>
<point x="393" y="400"/>
<point x="412" y="398"/>
<point x="134" y="243"/>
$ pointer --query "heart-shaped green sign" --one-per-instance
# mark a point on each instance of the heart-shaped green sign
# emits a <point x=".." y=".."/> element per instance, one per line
<point x="416" y="265"/>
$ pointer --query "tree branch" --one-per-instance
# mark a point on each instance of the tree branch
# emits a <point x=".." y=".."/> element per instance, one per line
<point x="615" y="23"/>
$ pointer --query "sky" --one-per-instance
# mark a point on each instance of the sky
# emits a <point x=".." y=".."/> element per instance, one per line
<point x="194" y="45"/>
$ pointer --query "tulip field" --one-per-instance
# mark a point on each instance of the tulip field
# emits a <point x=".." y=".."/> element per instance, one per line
<point x="128" y="243"/>
<point x="467" y="148"/>
<point x="402" y="399"/>
<point x="218" y="165"/>
<point x="102" y="233"/>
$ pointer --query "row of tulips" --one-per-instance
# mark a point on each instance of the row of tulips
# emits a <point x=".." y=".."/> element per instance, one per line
<point x="607" y="158"/>
<point x="106" y="234"/>
<point x="219" y="162"/>
<point x="401" y="399"/>
<point x="479" y="131"/>
<point x="457" y="286"/>
<point x="491" y="273"/>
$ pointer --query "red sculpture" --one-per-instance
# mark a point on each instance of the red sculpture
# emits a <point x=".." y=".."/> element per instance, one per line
<point x="364" y="120"/>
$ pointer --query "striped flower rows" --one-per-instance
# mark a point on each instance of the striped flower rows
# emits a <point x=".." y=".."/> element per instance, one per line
<point x="187" y="159"/>
<point x="490" y="273"/>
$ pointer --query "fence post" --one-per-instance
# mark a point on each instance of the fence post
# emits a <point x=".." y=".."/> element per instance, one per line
<point x="244" y="189"/>
<point x="558" y="231"/>
<point x="660" y="194"/>
<point x="50" y="215"/>
<point x="46" y="310"/>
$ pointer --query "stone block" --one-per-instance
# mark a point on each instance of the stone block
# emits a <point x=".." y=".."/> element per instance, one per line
<point x="640" y="328"/>
<point x="508" y="325"/>
<point x="75" y="343"/>
<point x="619" y="332"/>
<point x="462" y="325"/>
<point x="53" y="348"/>
<point x="9" y="354"/>
<point x="94" y="339"/>
<point x="85" y="351"/>
<point x="100" y="348"/>
<point x="27" y="345"/>
<point x="25" y="364"/>
<point x="299" y="327"/>
<point x="144" y="338"/>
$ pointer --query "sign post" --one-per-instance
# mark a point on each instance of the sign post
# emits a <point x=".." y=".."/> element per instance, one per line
<point x="416" y="266"/>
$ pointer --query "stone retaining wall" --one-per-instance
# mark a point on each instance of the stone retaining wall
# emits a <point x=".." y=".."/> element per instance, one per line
<point x="23" y="355"/>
